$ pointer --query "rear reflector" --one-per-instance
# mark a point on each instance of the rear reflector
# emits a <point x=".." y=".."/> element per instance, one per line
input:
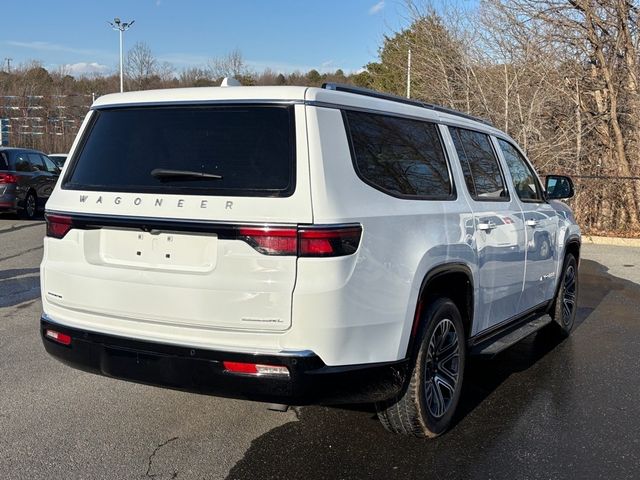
<point x="62" y="338"/>
<point x="8" y="178"/>
<point x="256" y="369"/>
<point x="58" y="225"/>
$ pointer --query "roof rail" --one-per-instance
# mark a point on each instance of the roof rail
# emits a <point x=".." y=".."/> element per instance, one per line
<point x="340" y="87"/>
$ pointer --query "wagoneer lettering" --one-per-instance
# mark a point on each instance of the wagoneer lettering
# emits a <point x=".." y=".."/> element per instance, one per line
<point x="301" y="245"/>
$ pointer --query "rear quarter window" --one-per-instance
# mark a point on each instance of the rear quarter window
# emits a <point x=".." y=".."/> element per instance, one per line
<point x="250" y="148"/>
<point x="4" y="161"/>
<point x="399" y="156"/>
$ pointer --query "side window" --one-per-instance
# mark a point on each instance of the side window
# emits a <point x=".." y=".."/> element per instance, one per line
<point x="524" y="180"/>
<point x="49" y="165"/>
<point x="479" y="164"/>
<point x="4" y="161"/>
<point x="37" y="165"/>
<point x="399" y="156"/>
<point x="22" y="163"/>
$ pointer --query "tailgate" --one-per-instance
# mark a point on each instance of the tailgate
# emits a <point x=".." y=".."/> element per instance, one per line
<point x="203" y="280"/>
<point x="159" y="197"/>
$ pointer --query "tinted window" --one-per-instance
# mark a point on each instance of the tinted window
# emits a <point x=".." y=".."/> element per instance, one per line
<point x="524" y="180"/>
<point x="399" y="156"/>
<point x="21" y="162"/>
<point x="37" y="164"/>
<point x="479" y="164"/>
<point x="251" y="148"/>
<point x="49" y="165"/>
<point x="4" y="161"/>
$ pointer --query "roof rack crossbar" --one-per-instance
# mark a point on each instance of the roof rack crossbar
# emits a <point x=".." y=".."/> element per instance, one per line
<point x="340" y="87"/>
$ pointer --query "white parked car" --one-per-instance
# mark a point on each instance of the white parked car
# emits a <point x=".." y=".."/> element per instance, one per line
<point x="301" y="245"/>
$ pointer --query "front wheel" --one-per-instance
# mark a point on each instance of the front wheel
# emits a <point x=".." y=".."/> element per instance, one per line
<point x="427" y="406"/>
<point x="565" y="305"/>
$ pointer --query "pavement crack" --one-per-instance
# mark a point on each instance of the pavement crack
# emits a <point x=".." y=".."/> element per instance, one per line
<point x="14" y="228"/>
<point x="21" y="253"/>
<point x="148" y="472"/>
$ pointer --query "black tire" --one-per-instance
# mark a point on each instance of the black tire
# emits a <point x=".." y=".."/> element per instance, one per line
<point x="426" y="408"/>
<point x="565" y="305"/>
<point x="30" y="207"/>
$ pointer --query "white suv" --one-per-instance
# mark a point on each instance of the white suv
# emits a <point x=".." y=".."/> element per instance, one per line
<point x="301" y="245"/>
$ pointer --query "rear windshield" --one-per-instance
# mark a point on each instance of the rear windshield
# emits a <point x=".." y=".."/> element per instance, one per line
<point x="214" y="150"/>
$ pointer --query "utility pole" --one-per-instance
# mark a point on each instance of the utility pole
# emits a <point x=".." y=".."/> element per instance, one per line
<point x="122" y="27"/>
<point x="409" y="74"/>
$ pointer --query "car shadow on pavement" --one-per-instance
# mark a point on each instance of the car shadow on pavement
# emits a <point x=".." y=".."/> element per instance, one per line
<point x="349" y="442"/>
<point x="19" y="286"/>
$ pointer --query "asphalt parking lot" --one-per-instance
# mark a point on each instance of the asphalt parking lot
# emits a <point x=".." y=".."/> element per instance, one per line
<point x="541" y="409"/>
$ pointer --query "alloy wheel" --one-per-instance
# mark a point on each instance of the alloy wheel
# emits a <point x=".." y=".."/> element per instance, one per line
<point x="30" y="206"/>
<point x="569" y="295"/>
<point x="441" y="368"/>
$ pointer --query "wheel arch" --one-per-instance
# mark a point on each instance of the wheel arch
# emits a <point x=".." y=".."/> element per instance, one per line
<point x="572" y="246"/>
<point x="453" y="280"/>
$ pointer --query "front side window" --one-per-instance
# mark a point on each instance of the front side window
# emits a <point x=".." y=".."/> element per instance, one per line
<point x="208" y="150"/>
<point x="524" y="180"/>
<point x="399" y="156"/>
<point x="479" y="164"/>
<point x="49" y="165"/>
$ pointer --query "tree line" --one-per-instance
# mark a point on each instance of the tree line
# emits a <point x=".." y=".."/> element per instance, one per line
<point x="560" y="76"/>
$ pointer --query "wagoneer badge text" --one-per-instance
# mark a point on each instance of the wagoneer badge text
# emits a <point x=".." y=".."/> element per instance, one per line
<point x="157" y="202"/>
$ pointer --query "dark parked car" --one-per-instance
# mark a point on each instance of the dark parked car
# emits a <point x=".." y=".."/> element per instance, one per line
<point x="27" y="178"/>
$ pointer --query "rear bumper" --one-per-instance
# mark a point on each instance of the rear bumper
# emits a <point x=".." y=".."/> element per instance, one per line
<point x="310" y="381"/>
<point x="8" y="198"/>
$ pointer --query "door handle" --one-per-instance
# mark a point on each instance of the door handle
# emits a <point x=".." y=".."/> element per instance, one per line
<point x="531" y="223"/>
<point x="486" y="226"/>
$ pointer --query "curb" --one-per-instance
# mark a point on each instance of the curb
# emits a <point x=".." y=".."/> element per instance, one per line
<point x="617" y="241"/>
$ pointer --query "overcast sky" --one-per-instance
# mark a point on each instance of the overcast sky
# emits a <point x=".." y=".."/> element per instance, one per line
<point x="284" y="35"/>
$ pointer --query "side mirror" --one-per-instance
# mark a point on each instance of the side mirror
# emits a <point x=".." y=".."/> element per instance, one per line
<point x="559" y="187"/>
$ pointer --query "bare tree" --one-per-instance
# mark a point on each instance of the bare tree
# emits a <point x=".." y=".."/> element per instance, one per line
<point x="141" y="65"/>
<point x="230" y="65"/>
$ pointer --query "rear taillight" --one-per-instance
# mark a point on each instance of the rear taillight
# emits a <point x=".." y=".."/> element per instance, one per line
<point x="325" y="241"/>
<point x="271" y="241"/>
<point x="328" y="241"/>
<point x="8" y="178"/>
<point x="58" y="225"/>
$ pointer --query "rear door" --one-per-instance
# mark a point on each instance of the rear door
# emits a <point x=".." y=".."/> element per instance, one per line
<point x="183" y="215"/>
<point x="499" y="237"/>
<point x="540" y="222"/>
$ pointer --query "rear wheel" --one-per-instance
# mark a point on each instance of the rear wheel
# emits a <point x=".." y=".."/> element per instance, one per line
<point x="30" y="206"/>
<point x="427" y="406"/>
<point x="565" y="305"/>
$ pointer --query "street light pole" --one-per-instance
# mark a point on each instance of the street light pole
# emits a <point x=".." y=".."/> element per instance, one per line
<point x="117" y="24"/>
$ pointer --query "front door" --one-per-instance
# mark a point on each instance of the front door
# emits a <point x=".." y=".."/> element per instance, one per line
<point x="540" y="223"/>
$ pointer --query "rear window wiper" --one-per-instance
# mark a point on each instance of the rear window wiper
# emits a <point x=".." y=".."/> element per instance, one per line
<point x="166" y="174"/>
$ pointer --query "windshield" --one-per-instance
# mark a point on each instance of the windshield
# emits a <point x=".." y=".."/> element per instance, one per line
<point x="225" y="150"/>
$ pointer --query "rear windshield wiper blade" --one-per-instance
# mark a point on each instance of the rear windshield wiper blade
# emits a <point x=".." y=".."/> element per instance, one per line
<point x="166" y="174"/>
